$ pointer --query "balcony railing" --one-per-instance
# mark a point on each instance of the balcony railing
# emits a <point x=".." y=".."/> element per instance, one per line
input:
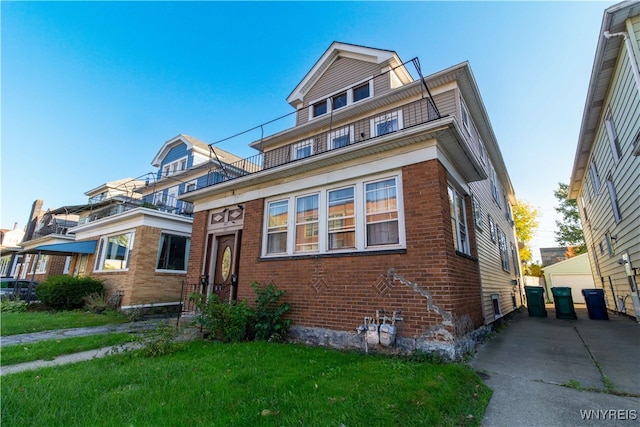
<point x="335" y="138"/>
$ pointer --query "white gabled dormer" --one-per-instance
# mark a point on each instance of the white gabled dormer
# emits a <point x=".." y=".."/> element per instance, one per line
<point x="344" y="76"/>
<point x="180" y="153"/>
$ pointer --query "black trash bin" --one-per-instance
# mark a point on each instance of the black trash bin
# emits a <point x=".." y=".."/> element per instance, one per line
<point x="535" y="301"/>
<point x="595" y="304"/>
<point x="563" y="302"/>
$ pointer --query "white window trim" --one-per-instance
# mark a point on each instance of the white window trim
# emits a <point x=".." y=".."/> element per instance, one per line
<point x="349" y="90"/>
<point x="613" y="198"/>
<point x="595" y="177"/>
<point x="360" y="214"/>
<point x="461" y="244"/>
<point x="385" y="118"/>
<point x="295" y="222"/>
<point x="99" y="261"/>
<point x="173" y="233"/>
<point x="302" y="144"/>
<point x="496" y="297"/>
<point x="464" y="113"/>
<point x="337" y="133"/>
<point x="174" y="167"/>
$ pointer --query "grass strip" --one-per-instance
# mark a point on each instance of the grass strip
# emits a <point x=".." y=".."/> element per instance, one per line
<point x="253" y="383"/>
<point x="50" y="349"/>
<point x="38" y="321"/>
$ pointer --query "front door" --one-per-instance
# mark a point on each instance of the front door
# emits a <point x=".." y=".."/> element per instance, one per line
<point x="225" y="282"/>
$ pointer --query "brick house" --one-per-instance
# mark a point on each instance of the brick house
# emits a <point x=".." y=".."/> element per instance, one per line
<point x="389" y="197"/>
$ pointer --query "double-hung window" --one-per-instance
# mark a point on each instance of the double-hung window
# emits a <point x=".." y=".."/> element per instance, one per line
<point x="595" y="177"/>
<point x="341" y="137"/>
<point x="339" y="101"/>
<point x="341" y="218"/>
<point x="114" y="252"/>
<point x="307" y="223"/>
<point x="319" y="108"/>
<point x="302" y="149"/>
<point x="382" y="213"/>
<point x="386" y="123"/>
<point x="614" y="142"/>
<point x="504" y="253"/>
<point x="173" y="252"/>
<point x="355" y="216"/>
<point x="458" y="221"/>
<point x="614" y="199"/>
<point x="277" y="224"/>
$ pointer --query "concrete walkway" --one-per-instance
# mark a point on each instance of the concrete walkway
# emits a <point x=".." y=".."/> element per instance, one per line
<point x="133" y="327"/>
<point x="553" y="372"/>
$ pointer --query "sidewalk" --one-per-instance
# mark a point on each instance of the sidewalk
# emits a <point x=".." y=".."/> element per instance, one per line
<point x="133" y="327"/>
<point x="553" y="372"/>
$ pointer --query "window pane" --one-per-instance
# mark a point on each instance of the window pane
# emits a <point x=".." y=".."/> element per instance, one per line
<point x="307" y="223"/>
<point x="116" y="252"/>
<point x="341" y="219"/>
<point x="319" y="108"/>
<point x="387" y="127"/>
<point x="339" y="100"/>
<point x="173" y="252"/>
<point x="341" y="141"/>
<point x="361" y="92"/>
<point x="382" y="213"/>
<point x="277" y="227"/>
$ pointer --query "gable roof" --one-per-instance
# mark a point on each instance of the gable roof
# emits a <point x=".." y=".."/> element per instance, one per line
<point x="602" y="73"/>
<point x="194" y="145"/>
<point x="346" y="50"/>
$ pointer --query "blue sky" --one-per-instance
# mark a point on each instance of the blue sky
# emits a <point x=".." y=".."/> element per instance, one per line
<point x="91" y="90"/>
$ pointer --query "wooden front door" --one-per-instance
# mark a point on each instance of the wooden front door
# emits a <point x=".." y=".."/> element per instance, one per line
<point x="225" y="280"/>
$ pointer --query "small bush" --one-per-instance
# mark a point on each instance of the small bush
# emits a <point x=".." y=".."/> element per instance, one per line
<point x="66" y="292"/>
<point x="96" y="302"/>
<point x="13" y="306"/>
<point x="269" y="321"/>
<point x="159" y="341"/>
<point x="227" y="322"/>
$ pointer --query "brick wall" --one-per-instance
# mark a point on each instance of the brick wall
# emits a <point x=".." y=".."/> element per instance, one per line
<point x="437" y="290"/>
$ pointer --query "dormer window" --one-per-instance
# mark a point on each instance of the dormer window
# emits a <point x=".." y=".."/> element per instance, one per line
<point x="320" y="108"/>
<point x="339" y="101"/>
<point x="361" y="92"/>
<point x="342" y="98"/>
<point x="174" y="167"/>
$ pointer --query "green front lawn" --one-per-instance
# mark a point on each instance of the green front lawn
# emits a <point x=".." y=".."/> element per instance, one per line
<point x="38" y="321"/>
<point x="50" y="349"/>
<point x="256" y="383"/>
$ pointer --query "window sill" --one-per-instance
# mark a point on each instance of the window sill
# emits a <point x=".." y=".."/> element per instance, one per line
<point x="334" y="255"/>
<point x="470" y="257"/>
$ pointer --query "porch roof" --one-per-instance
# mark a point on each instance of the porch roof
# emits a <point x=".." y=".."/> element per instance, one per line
<point x="84" y="247"/>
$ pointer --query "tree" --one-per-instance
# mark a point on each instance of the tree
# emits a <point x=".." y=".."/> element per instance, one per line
<point x="525" y="218"/>
<point x="569" y="232"/>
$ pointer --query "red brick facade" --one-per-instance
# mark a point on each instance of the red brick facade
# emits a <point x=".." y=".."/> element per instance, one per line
<point x="436" y="290"/>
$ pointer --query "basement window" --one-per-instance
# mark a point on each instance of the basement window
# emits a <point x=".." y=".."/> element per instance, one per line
<point x="495" y="301"/>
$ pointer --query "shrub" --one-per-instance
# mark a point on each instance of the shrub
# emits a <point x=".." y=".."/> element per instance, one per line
<point x="159" y="341"/>
<point x="96" y="302"/>
<point x="67" y="292"/>
<point x="269" y="321"/>
<point x="227" y="322"/>
<point x="13" y="306"/>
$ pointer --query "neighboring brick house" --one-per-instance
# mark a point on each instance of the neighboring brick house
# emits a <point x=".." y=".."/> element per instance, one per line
<point x="605" y="180"/>
<point x="388" y="196"/>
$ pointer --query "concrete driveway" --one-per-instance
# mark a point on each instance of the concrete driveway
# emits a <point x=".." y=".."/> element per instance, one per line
<point x="554" y="372"/>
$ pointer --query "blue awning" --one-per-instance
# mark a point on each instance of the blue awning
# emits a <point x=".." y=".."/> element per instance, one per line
<point x="85" y="247"/>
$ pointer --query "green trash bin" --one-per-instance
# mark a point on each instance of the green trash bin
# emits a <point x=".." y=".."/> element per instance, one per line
<point x="563" y="302"/>
<point x="535" y="301"/>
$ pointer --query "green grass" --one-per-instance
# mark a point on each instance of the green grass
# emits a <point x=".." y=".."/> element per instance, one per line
<point x="50" y="349"/>
<point x="267" y="384"/>
<point x="38" y="321"/>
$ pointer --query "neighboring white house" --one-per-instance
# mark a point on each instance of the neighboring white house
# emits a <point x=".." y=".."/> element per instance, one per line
<point x="605" y="179"/>
<point x="574" y="273"/>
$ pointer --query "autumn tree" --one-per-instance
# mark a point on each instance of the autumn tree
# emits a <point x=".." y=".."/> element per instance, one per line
<point x="569" y="230"/>
<point x="525" y="218"/>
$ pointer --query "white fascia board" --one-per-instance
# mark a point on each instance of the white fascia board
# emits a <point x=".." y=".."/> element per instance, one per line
<point x="50" y="239"/>
<point x="132" y="219"/>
